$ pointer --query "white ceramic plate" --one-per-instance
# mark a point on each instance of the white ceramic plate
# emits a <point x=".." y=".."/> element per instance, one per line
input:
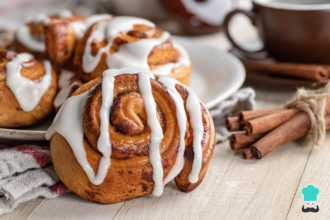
<point x="216" y="75"/>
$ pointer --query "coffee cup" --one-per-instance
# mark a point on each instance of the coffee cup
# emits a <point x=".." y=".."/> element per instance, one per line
<point x="291" y="30"/>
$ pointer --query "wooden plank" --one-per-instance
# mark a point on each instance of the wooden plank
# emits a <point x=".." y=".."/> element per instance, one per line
<point x="24" y="210"/>
<point x="174" y="204"/>
<point x="261" y="189"/>
<point x="71" y="206"/>
<point x="317" y="174"/>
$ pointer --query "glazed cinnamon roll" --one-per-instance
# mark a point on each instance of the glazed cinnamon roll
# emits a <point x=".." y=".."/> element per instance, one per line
<point x="30" y="36"/>
<point x="117" y="42"/>
<point x="127" y="134"/>
<point x="27" y="89"/>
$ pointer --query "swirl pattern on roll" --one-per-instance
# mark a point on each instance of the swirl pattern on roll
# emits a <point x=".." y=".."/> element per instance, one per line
<point x="126" y="134"/>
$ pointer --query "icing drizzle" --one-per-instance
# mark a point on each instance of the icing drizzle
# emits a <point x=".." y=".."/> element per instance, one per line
<point x="27" y="92"/>
<point x="65" y="87"/>
<point x="131" y="54"/>
<point x="69" y="123"/>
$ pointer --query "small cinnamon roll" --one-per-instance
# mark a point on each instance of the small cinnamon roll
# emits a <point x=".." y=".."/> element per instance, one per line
<point x="27" y="89"/>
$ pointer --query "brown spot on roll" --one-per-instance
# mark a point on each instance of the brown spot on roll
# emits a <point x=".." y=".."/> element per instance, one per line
<point x="92" y="194"/>
<point x="144" y="187"/>
<point x="189" y="152"/>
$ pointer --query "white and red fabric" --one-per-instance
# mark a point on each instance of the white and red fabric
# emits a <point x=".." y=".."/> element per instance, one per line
<point x="26" y="172"/>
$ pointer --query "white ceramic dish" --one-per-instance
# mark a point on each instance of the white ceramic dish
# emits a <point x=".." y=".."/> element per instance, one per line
<point x="216" y="75"/>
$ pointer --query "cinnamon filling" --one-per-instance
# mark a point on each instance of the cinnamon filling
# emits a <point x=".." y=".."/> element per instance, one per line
<point x="128" y="129"/>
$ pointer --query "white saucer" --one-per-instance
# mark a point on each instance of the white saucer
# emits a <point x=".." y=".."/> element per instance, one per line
<point x="216" y="76"/>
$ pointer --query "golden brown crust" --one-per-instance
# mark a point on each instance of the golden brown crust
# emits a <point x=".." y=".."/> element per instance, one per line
<point x="11" y="114"/>
<point x="130" y="174"/>
<point x="60" y="40"/>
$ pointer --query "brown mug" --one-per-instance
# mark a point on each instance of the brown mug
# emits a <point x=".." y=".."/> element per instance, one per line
<point x="291" y="30"/>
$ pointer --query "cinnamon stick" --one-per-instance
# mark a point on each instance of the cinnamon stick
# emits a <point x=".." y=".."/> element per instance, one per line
<point x="306" y="71"/>
<point x="242" y="140"/>
<point x="233" y="124"/>
<point x="294" y="128"/>
<point x="269" y="122"/>
<point x="245" y="116"/>
<point x="247" y="153"/>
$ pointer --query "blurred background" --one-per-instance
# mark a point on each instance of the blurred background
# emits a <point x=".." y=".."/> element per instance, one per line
<point x="200" y="18"/>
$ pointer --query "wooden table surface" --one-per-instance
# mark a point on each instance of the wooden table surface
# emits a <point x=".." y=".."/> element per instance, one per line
<point x="233" y="188"/>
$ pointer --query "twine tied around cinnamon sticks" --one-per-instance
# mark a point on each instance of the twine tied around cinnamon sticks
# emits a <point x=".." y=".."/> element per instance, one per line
<point x="262" y="131"/>
<point x="313" y="102"/>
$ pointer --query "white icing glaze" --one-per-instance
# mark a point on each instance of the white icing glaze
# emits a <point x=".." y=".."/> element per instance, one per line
<point x="131" y="54"/>
<point x="64" y="13"/>
<point x="63" y="94"/>
<point x="156" y="133"/>
<point x="95" y="18"/>
<point x="195" y="113"/>
<point x="194" y="109"/>
<point x="24" y="37"/>
<point x="69" y="123"/>
<point x="182" y="121"/>
<point x="184" y="60"/>
<point x="135" y="54"/>
<point x="27" y="92"/>
<point x="81" y="27"/>
<point x="38" y="18"/>
<point x="64" y="80"/>
<point x="109" y="31"/>
<point x="65" y="87"/>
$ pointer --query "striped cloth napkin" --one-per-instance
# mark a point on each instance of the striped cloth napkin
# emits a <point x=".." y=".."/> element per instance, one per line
<point x="26" y="173"/>
<point x="243" y="99"/>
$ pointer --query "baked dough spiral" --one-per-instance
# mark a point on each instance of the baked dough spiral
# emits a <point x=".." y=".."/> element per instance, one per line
<point x="27" y="89"/>
<point x="154" y="131"/>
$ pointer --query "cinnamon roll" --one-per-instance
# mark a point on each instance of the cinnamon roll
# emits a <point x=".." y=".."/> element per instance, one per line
<point x="127" y="134"/>
<point x="27" y="89"/>
<point x="117" y="42"/>
<point x="30" y="36"/>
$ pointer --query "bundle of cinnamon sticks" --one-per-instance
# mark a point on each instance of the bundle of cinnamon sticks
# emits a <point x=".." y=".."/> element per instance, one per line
<point x="312" y="72"/>
<point x="262" y="131"/>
